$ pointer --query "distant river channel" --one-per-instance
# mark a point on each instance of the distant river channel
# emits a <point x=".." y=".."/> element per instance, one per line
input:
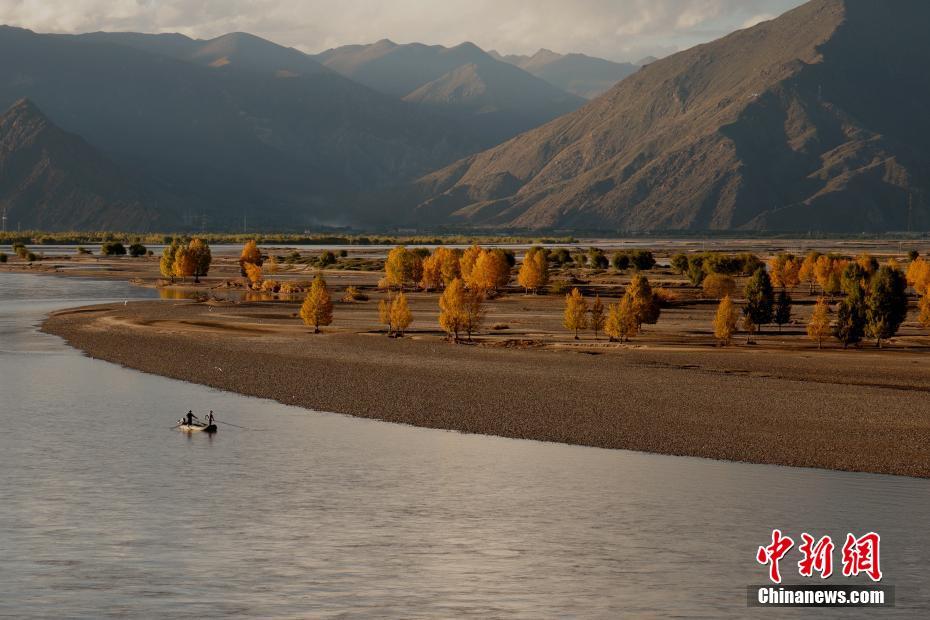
<point x="105" y="511"/>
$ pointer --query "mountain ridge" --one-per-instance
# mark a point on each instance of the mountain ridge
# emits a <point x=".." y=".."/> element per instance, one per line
<point x="768" y="127"/>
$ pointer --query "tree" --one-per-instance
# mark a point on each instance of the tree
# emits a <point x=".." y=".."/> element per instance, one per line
<point x="534" y="271"/>
<point x="200" y="254"/>
<point x="886" y="305"/>
<point x="807" y="273"/>
<point x="760" y="298"/>
<point x="696" y="272"/>
<point x="597" y="316"/>
<point x="868" y="263"/>
<point x="474" y="312"/>
<point x="317" y="309"/>
<point x="725" y="321"/>
<point x="621" y="320"/>
<point x="645" y="306"/>
<point x="819" y="326"/>
<point x="597" y="259"/>
<point x="137" y="249"/>
<point x="253" y="274"/>
<point x="401" y="316"/>
<point x="749" y="327"/>
<point x="924" y="306"/>
<point x="250" y="255"/>
<point x="166" y="264"/>
<point x="113" y="248"/>
<point x="468" y="260"/>
<point x="384" y="315"/>
<point x="784" y="271"/>
<point x="183" y="263"/>
<point x="432" y="272"/>
<point x="642" y="260"/>
<point x="850" y="321"/>
<point x="912" y="255"/>
<point x="490" y="273"/>
<point x="620" y="261"/>
<point x="679" y="263"/>
<point x="718" y="286"/>
<point x="450" y="264"/>
<point x="403" y="267"/>
<point x="782" y="309"/>
<point x="576" y="312"/>
<point x="452" y="312"/>
<point x="918" y="275"/>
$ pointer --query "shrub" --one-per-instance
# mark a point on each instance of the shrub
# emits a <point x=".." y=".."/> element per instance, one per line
<point x="353" y="294"/>
<point x="664" y="296"/>
<point x="113" y="248"/>
<point x="82" y="250"/>
<point x="3" y="257"/>
<point x="559" y="287"/>
<point x="31" y="257"/>
<point x="270" y="286"/>
<point x="500" y="326"/>
<point x="137" y="249"/>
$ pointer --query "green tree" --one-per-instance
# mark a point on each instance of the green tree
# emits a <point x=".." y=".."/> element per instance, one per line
<point x="620" y="261"/>
<point x="137" y="249"/>
<point x="783" y="309"/>
<point x="760" y="298"/>
<point x="886" y="305"/>
<point x="679" y="263"/>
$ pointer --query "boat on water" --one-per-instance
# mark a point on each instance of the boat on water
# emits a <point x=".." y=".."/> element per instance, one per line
<point x="197" y="428"/>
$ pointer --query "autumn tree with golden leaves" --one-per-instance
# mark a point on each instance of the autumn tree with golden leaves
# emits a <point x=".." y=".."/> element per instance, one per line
<point x="253" y="274"/>
<point x="317" y="309"/>
<point x="621" y="320"/>
<point x="250" y="255"/>
<point x="534" y="271"/>
<point x="576" y="312"/>
<point x="452" y="309"/>
<point x="403" y="267"/>
<point x="183" y="263"/>
<point x="725" y="321"/>
<point x="400" y="315"/>
<point x="490" y="274"/>
<point x="201" y="256"/>
<point x="818" y="327"/>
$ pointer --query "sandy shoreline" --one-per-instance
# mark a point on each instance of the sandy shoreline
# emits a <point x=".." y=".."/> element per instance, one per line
<point x="860" y="411"/>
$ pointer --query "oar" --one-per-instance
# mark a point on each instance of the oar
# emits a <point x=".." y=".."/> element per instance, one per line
<point x="245" y="428"/>
<point x="236" y="425"/>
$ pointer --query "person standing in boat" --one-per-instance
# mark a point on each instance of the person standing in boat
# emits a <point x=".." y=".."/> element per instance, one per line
<point x="189" y="418"/>
<point x="210" y="419"/>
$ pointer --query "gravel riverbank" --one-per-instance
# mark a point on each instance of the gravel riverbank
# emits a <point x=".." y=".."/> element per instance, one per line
<point x="865" y="411"/>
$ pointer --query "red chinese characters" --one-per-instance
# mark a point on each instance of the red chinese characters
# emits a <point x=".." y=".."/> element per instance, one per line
<point x="817" y="557"/>
<point x="861" y="555"/>
<point x="773" y="553"/>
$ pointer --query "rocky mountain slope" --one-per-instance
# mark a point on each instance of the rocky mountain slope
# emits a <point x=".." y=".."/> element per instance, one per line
<point x="54" y="180"/>
<point x="818" y="120"/>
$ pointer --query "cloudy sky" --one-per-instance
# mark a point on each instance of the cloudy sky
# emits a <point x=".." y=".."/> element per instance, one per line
<point x="615" y="29"/>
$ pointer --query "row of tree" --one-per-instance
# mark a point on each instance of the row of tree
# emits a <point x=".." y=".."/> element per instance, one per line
<point x="874" y="305"/>
<point x="623" y="320"/>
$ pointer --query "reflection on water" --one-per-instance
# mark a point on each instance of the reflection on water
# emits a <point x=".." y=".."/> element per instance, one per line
<point x="105" y="511"/>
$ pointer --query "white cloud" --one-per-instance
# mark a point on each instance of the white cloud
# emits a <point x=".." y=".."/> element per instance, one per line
<point x="619" y="29"/>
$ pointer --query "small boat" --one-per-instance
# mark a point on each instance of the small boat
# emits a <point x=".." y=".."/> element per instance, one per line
<point x="197" y="428"/>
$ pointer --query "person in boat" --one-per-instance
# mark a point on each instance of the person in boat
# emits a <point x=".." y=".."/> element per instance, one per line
<point x="210" y="419"/>
<point x="189" y="418"/>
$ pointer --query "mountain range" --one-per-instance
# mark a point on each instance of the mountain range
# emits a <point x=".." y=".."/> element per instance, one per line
<point x="578" y="74"/>
<point x="237" y="126"/>
<point x="816" y="120"/>
<point x="495" y="99"/>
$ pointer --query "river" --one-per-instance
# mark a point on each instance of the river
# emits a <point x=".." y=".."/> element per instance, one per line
<point x="107" y="512"/>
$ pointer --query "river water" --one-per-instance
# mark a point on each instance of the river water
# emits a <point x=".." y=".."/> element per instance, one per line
<point x="107" y="512"/>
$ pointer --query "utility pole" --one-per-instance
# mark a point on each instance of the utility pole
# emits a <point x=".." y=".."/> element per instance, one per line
<point x="4" y="219"/>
